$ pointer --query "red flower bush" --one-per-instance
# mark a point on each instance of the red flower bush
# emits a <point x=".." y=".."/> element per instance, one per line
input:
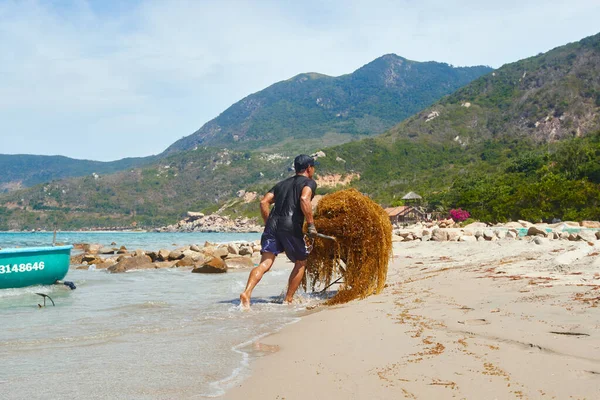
<point x="459" y="215"/>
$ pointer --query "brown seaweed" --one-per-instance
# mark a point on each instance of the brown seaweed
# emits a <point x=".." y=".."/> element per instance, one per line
<point x="362" y="250"/>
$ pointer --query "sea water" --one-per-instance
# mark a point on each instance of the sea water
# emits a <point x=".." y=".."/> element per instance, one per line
<point x="151" y="334"/>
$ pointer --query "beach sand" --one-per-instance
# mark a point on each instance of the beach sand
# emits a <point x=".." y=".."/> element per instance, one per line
<point x="470" y="320"/>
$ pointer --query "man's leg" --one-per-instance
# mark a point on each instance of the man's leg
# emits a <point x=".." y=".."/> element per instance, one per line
<point x="256" y="275"/>
<point x="295" y="280"/>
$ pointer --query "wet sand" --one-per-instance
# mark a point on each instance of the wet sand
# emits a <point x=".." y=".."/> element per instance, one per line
<point x="483" y="320"/>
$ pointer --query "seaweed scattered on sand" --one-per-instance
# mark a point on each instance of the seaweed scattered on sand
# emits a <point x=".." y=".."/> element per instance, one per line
<point x="362" y="250"/>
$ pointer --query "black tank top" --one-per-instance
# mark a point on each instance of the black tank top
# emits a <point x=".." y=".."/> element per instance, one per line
<point x="287" y="214"/>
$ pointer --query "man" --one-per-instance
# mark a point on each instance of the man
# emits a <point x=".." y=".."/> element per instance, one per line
<point x="283" y="226"/>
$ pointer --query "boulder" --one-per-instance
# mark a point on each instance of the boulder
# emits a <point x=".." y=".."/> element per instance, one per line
<point x="163" y="255"/>
<point x="220" y="252"/>
<point x="598" y="235"/>
<point x="425" y="238"/>
<point x="164" y="264"/>
<point x="475" y="225"/>
<point x="588" y="236"/>
<point x="186" y="261"/>
<point x="139" y="252"/>
<point x="92" y="248"/>
<point x="106" y="250"/>
<point x="478" y="234"/>
<point x="534" y="231"/>
<point x="239" y="262"/>
<point x="514" y="225"/>
<point x="177" y="254"/>
<point x="439" y="235"/>
<point x="122" y="250"/>
<point x="488" y="234"/>
<point x="467" y="238"/>
<point x="500" y="234"/>
<point x="481" y="239"/>
<point x="572" y="237"/>
<point x="153" y="255"/>
<point x="564" y="235"/>
<point x="539" y="240"/>
<point x="524" y="224"/>
<point x="129" y="263"/>
<point x="195" y="247"/>
<point x="246" y="250"/>
<point x="453" y="236"/>
<point x="590" y="224"/>
<point x="214" y="265"/>
<point x="233" y="248"/>
<point x="511" y="235"/>
<point x="89" y="258"/>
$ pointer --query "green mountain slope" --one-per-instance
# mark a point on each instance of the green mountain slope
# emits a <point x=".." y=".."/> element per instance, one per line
<point x="22" y="170"/>
<point x="312" y="110"/>
<point x="489" y="158"/>
<point x="548" y="97"/>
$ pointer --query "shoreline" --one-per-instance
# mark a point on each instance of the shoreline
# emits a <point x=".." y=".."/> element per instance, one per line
<point x="471" y="320"/>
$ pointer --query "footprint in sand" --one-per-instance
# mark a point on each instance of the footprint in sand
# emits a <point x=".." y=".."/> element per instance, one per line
<point x="477" y="321"/>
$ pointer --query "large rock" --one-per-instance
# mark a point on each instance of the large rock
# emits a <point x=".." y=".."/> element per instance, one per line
<point x="534" y="231"/>
<point x="488" y="234"/>
<point x="588" y="236"/>
<point x="590" y="224"/>
<point x="129" y="263"/>
<point x="539" y="240"/>
<point x="476" y="225"/>
<point x="233" y="248"/>
<point x="163" y="255"/>
<point x="164" y="264"/>
<point x="246" y="251"/>
<point x="512" y="224"/>
<point x="214" y="265"/>
<point x="195" y="247"/>
<point x="239" y="262"/>
<point x="220" y="252"/>
<point x="439" y="235"/>
<point x="425" y="238"/>
<point x="452" y="236"/>
<point x="177" y="254"/>
<point x="525" y="224"/>
<point x="467" y="238"/>
<point x="511" y="235"/>
<point x="122" y="250"/>
<point x="186" y="261"/>
<point x="198" y="258"/>
<point x="92" y="248"/>
<point x="106" y="250"/>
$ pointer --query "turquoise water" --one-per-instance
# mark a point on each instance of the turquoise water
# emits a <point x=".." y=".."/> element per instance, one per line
<point x="152" y="334"/>
<point x="133" y="240"/>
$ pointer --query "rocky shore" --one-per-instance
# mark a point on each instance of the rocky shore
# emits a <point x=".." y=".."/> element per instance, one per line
<point x="198" y="222"/>
<point x="207" y="258"/>
<point x="478" y="231"/>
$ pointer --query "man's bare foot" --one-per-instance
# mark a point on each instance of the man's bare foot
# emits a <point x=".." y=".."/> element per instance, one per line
<point x="286" y="301"/>
<point x="244" y="301"/>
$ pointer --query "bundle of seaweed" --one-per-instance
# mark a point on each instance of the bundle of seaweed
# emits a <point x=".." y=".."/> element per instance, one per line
<point x="362" y="249"/>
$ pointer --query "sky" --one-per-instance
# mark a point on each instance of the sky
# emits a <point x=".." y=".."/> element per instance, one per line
<point x="108" y="79"/>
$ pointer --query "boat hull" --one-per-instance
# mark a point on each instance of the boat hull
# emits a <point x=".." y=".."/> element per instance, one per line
<point x="33" y="266"/>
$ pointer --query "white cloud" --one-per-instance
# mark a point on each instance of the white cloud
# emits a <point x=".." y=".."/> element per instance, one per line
<point x="104" y="80"/>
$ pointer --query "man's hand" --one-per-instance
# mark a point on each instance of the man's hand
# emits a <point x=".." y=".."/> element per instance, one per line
<point x="312" y="231"/>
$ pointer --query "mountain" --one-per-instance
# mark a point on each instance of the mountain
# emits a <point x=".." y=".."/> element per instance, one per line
<point x="22" y="170"/>
<point x="312" y="110"/>
<point x="521" y="142"/>
<point x="545" y="98"/>
<point x="300" y="114"/>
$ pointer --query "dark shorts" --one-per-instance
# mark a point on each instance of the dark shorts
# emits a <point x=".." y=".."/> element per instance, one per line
<point x="279" y="242"/>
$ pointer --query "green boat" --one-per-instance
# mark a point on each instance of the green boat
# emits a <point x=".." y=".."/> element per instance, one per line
<point x="29" y="266"/>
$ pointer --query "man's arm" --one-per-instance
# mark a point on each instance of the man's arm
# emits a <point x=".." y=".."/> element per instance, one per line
<point x="265" y="204"/>
<point x="305" y="205"/>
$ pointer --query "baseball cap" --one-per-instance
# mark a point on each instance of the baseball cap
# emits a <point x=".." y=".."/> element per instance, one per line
<point x="303" y="161"/>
